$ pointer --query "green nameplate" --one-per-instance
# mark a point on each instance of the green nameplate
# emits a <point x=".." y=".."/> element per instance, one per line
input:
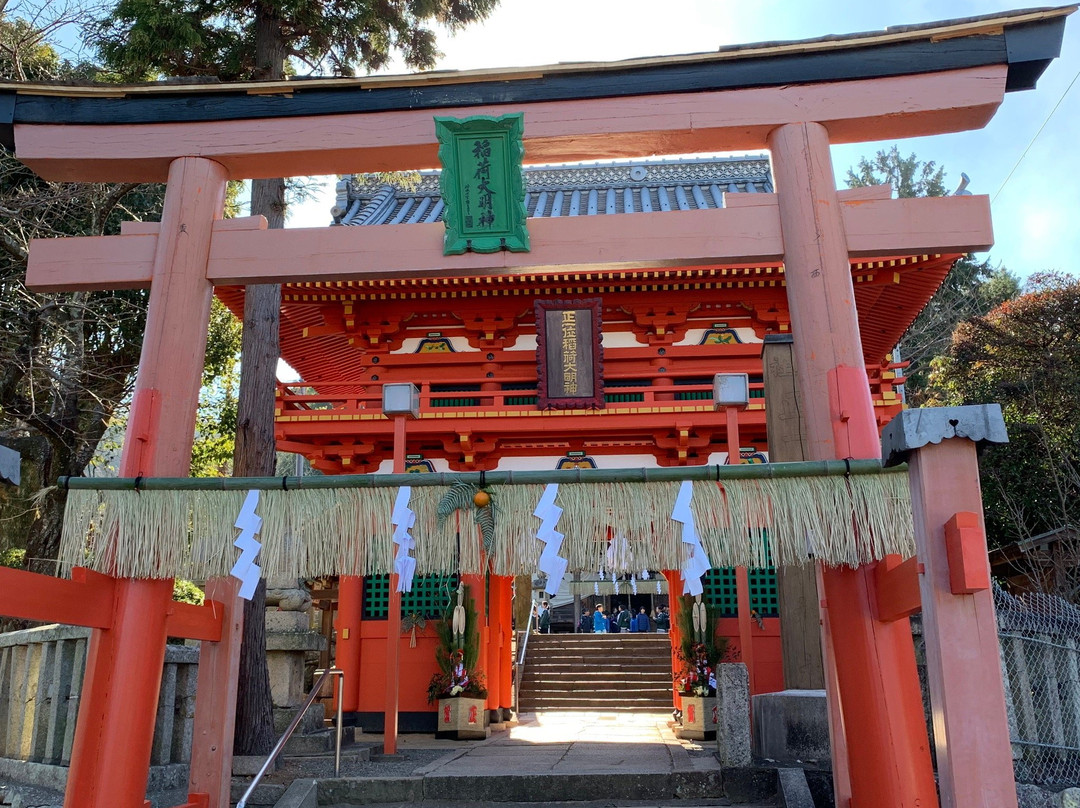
<point x="481" y="183"/>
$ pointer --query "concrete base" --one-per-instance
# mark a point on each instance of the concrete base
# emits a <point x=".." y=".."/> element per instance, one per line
<point x="791" y="726"/>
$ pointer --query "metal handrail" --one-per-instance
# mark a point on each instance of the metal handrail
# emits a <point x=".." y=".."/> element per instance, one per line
<point x="296" y="722"/>
<point x="521" y="661"/>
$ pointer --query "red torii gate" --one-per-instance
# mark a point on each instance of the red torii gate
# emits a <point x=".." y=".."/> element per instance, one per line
<point x="967" y="66"/>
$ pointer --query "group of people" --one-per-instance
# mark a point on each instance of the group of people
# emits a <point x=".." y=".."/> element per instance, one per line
<point x="622" y="619"/>
<point x="599" y="622"/>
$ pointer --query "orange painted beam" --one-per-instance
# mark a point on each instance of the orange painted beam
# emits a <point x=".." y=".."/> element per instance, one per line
<point x="745" y="233"/>
<point x="897" y="584"/>
<point x="602" y="128"/>
<point x="85" y="600"/>
<point x="193" y="622"/>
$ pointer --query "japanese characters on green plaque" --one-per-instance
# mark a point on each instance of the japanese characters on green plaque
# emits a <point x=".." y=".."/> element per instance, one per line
<point x="481" y="183"/>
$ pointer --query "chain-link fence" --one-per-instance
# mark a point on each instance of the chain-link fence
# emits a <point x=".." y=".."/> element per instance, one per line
<point x="1040" y="663"/>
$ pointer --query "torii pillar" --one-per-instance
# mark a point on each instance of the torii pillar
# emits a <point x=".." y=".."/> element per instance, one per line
<point x="888" y="749"/>
<point x="115" y="728"/>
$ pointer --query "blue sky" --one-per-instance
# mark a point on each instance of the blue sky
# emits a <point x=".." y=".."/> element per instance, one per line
<point x="1034" y="213"/>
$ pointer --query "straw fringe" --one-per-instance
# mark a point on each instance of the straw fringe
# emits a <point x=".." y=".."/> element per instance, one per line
<point x="314" y="532"/>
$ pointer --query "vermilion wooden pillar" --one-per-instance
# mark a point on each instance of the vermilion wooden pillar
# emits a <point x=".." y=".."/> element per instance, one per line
<point x="674" y="585"/>
<point x="393" y="620"/>
<point x="505" y="585"/>
<point x="742" y="578"/>
<point x="494" y="649"/>
<point x="347" y="642"/>
<point x="888" y="749"/>
<point x="963" y="668"/>
<point x="111" y="755"/>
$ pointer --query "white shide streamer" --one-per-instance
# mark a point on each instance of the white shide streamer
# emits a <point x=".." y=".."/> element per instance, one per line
<point x="245" y="569"/>
<point x="550" y="562"/>
<point x="403" y="519"/>
<point x="697" y="563"/>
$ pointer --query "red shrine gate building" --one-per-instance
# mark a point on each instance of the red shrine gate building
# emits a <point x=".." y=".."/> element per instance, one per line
<point x="470" y="345"/>
<point x="713" y="279"/>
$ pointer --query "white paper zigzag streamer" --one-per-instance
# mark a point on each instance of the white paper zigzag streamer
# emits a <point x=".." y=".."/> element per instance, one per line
<point x="245" y="569"/>
<point x="550" y="562"/>
<point x="403" y="518"/>
<point x="698" y="562"/>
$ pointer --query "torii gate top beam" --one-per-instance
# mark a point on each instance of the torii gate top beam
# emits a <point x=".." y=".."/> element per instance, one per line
<point x="902" y="82"/>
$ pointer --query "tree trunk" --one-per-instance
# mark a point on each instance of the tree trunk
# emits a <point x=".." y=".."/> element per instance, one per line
<point x="255" y="450"/>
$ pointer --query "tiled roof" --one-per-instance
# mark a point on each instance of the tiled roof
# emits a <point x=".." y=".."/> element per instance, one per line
<point x="591" y="189"/>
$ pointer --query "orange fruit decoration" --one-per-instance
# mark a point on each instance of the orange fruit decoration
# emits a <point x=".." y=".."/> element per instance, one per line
<point x="481" y="499"/>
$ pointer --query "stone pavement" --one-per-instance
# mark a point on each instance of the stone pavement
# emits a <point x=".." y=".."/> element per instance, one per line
<point x="579" y="743"/>
<point x="556" y="758"/>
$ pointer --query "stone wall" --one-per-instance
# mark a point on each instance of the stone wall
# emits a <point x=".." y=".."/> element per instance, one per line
<point x="41" y="672"/>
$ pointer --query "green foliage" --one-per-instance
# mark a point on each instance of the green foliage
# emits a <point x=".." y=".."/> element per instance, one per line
<point x="459" y="497"/>
<point x="698" y="653"/>
<point x="215" y="421"/>
<point x="716" y="647"/>
<point x="13" y="557"/>
<point x="67" y="360"/>
<point x="908" y="176"/>
<point x="1025" y="355"/>
<point x="448" y="655"/>
<point x="971" y="289"/>
<point x="145" y="39"/>
<point x="186" y="592"/>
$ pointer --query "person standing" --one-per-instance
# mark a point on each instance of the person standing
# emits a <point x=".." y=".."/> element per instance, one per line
<point x="663" y="620"/>
<point x="599" y="621"/>
<point x="624" y="619"/>
<point x="585" y="624"/>
<point x="545" y="618"/>
<point x="641" y="622"/>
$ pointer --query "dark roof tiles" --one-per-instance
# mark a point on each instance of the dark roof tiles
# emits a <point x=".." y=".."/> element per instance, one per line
<point x="593" y="189"/>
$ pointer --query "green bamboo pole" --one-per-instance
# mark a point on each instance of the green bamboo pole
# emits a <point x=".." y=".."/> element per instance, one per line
<point x="742" y="471"/>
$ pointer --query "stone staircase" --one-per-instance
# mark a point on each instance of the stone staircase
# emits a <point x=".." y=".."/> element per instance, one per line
<point x="619" y="672"/>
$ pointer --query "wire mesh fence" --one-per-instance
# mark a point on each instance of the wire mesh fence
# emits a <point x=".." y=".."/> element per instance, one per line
<point x="1040" y="662"/>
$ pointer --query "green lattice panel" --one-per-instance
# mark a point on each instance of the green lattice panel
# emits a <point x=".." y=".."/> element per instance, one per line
<point x="719" y="586"/>
<point x="429" y="596"/>
<point x="720" y="592"/>
<point x="763" y="596"/>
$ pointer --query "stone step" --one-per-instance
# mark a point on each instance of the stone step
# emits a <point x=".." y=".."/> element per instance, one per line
<point x="313" y="720"/>
<point x="681" y="788"/>
<point x="585" y="664"/>
<point x="317" y="743"/>
<point x="663" y="680"/>
<point x="624" y="672"/>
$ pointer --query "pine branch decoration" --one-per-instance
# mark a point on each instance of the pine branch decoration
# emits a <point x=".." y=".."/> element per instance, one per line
<point x="463" y="496"/>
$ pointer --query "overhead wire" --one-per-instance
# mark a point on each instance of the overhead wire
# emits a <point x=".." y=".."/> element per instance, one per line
<point x="1034" y="138"/>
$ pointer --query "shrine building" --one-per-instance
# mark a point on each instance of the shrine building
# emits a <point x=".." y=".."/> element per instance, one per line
<point x="470" y="345"/>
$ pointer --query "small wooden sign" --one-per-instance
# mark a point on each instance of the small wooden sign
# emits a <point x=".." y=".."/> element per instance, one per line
<point x="569" y="354"/>
<point x="481" y="183"/>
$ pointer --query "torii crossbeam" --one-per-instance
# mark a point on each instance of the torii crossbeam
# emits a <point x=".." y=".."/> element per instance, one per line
<point x="792" y="99"/>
